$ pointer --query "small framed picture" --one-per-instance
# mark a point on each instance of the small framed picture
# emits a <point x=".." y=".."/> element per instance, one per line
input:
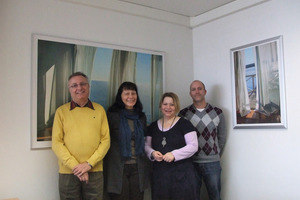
<point x="258" y="85"/>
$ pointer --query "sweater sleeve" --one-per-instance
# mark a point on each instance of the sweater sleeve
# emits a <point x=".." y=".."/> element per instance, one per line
<point x="221" y="133"/>
<point x="148" y="147"/>
<point x="58" y="144"/>
<point x="104" y="144"/>
<point x="190" y="148"/>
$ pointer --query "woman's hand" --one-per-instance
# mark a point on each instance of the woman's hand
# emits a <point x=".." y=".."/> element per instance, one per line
<point x="168" y="157"/>
<point x="157" y="156"/>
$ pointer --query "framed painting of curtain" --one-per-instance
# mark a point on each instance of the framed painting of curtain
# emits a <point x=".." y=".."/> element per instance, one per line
<point x="258" y="85"/>
<point x="107" y="66"/>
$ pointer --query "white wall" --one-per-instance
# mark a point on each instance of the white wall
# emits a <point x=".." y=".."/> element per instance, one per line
<point x="32" y="174"/>
<point x="258" y="164"/>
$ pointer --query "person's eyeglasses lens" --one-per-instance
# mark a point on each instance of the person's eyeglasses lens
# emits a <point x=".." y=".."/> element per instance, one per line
<point x="76" y="85"/>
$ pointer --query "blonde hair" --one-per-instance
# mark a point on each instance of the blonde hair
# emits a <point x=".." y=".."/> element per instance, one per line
<point x="175" y="100"/>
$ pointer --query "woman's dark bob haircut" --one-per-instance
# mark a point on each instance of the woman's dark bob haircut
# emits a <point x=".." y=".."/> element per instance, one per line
<point x="119" y="104"/>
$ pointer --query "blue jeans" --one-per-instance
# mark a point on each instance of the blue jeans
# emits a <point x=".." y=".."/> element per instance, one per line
<point x="210" y="173"/>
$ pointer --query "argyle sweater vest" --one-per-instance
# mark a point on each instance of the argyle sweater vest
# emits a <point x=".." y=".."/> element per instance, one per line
<point x="207" y="124"/>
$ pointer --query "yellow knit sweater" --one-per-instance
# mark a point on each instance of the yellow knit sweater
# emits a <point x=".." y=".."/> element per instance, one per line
<point x="80" y="135"/>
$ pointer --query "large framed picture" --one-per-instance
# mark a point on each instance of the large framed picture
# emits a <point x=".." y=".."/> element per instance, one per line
<point x="258" y="85"/>
<point x="54" y="59"/>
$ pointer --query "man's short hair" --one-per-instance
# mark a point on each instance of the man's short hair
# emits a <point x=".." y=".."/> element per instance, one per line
<point x="78" y="74"/>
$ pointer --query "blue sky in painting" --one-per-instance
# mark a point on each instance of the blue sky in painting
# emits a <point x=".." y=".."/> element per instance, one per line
<point x="143" y="81"/>
<point x="249" y="59"/>
<point x="101" y="70"/>
<point x="143" y="73"/>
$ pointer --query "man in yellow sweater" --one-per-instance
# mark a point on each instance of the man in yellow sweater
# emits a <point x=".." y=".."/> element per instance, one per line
<point x="80" y="140"/>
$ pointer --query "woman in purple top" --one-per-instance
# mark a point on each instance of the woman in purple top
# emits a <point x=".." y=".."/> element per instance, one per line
<point x="170" y="143"/>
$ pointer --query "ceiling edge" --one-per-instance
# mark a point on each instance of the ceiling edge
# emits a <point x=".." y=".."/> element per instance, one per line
<point x="223" y="11"/>
<point x="135" y="10"/>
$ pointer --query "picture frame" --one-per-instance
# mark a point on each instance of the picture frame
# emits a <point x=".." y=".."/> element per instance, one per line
<point x="258" y="83"/>
<point x="54" y="59"/>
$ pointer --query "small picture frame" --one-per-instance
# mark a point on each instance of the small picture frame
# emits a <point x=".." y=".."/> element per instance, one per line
<point x="258" y="85"/>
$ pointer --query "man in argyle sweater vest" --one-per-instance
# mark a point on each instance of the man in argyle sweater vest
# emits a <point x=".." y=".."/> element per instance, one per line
<point x="210" y="125"/>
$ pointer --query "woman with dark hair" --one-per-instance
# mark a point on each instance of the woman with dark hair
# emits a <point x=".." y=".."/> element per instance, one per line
<point x="126" y="166"/>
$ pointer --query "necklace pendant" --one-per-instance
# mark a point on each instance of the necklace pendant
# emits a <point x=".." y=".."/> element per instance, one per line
<point x="164" y="142"/>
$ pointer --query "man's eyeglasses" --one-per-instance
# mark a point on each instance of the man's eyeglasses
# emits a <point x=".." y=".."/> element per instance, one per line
<point x="74" y="86"/>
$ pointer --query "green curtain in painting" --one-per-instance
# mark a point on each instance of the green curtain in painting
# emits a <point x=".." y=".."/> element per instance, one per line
<point x="268" y="78"/>
<point x="156" y="85"/>
<point x="56" y="62"/>
<point x="123" y="68"/>
<point x="56" y="59"/>
<point x="84" y="59"/>
<point x="242" y="97"/>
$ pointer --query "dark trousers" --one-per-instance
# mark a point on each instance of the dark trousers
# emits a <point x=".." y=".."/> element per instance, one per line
<point x="70" y="187"/>
<point x="130" y="185"/>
